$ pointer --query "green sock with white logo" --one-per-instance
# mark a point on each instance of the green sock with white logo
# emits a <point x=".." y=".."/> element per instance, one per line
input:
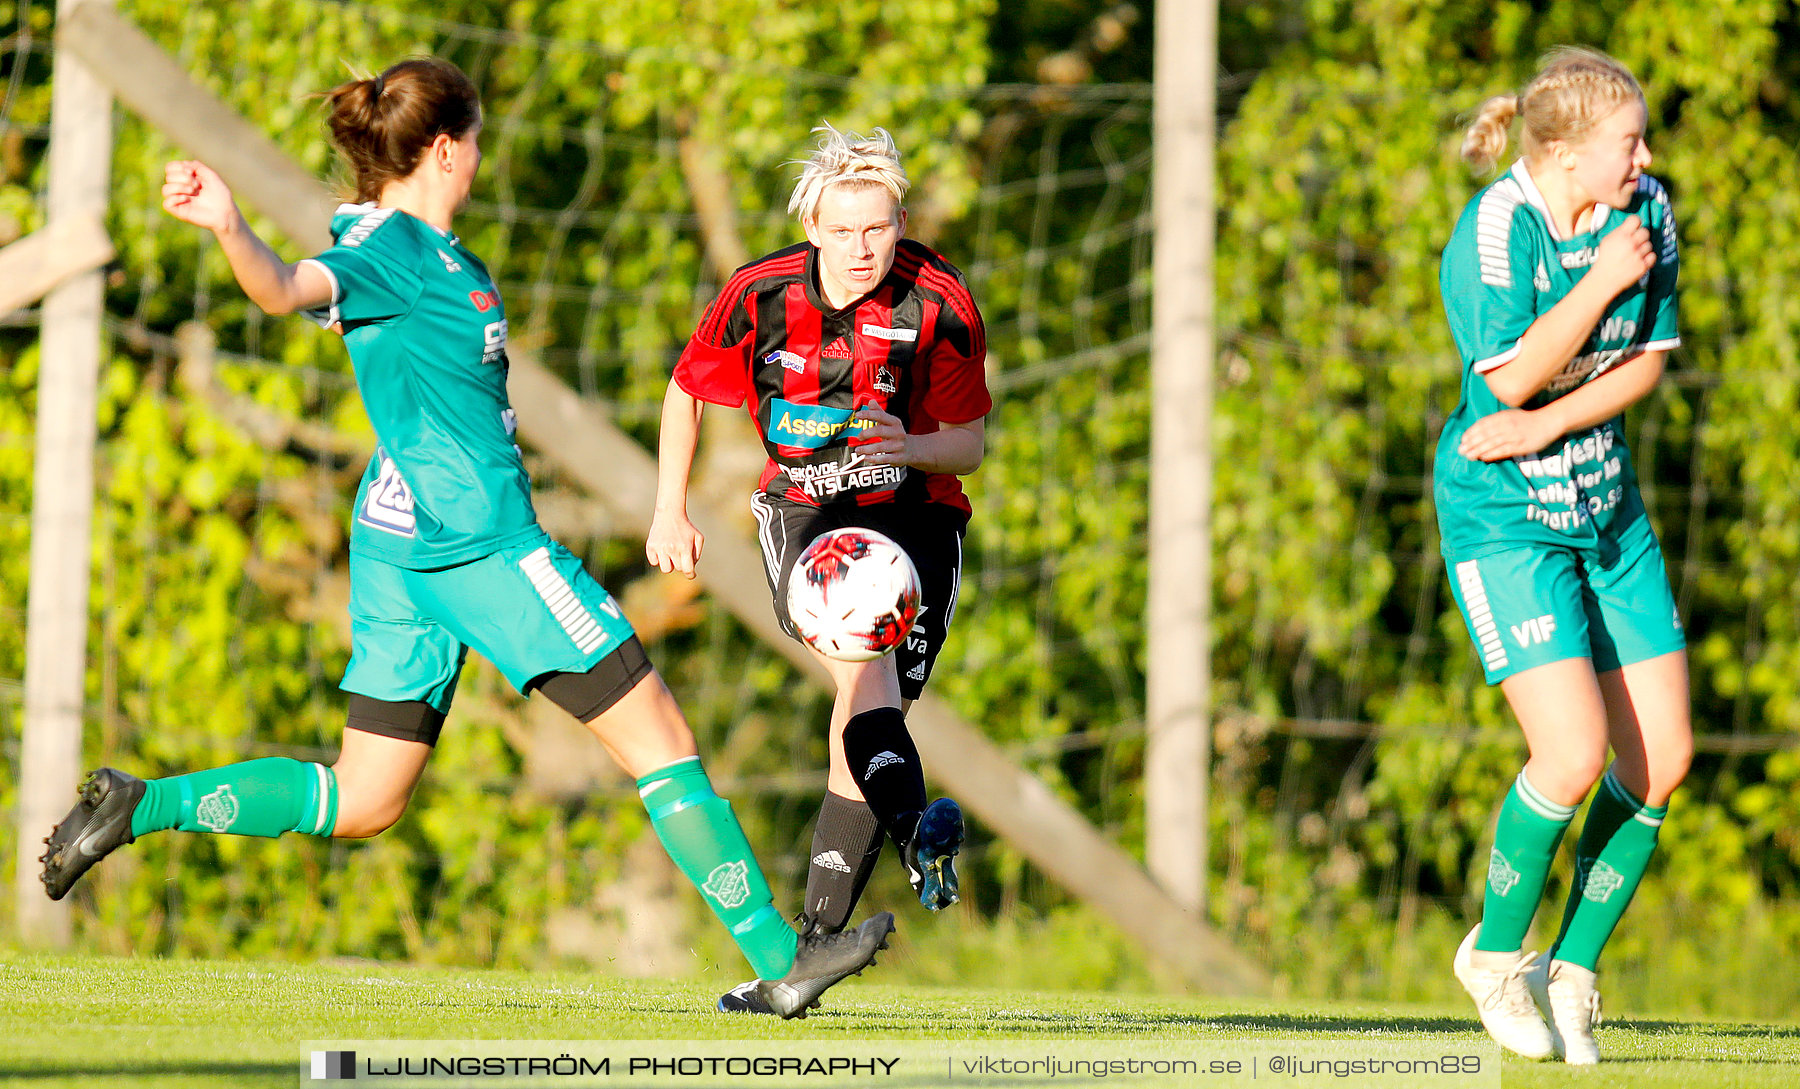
<point x="1617" y="840"/>
<point x="256" y="798"/>
<point x="1525" y="840"/>
<point x="704" y="839"/>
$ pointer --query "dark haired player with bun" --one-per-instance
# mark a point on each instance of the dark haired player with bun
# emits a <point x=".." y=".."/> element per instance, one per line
<point x="445" y="553"/>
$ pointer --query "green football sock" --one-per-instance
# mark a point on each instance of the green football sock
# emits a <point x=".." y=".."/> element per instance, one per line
<point x="256" y="798"/>
<point x="1617" y="840"/>
<point x="704" y="839"/>
<point x="1525" y="840"/>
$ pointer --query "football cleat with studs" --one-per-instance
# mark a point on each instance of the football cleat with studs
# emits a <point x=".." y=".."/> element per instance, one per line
<point x="820" y="961"/>
<point x="1565" y="995"/>
<point x="1503" y="999"/>
<point x="744" y="998"/>
<point x="99" y="824"/>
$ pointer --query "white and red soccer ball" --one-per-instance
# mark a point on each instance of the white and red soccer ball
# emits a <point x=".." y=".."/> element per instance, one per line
<point x="853" y="594"/>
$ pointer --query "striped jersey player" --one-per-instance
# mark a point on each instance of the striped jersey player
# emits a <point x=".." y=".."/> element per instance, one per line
<point x="859" y="354"/>
<point x="913" y="348"/>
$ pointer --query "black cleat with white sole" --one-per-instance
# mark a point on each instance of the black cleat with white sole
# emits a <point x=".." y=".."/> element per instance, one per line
<point x="745" y="998"/>
<point x="99" y="824"/>
<point x="822" y="960"/>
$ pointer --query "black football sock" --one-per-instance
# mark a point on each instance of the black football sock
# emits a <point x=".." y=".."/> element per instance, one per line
<point x="845" y="847"/>
<point x="885" y="762"/>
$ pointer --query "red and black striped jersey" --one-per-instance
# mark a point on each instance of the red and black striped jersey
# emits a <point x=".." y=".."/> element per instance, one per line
<point x="914" y="347"/>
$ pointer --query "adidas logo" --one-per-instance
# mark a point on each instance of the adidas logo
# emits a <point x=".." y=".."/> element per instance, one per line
<point x="882" y="760"/>
<point x="831" y="860"/>
<point x="916" y="673"/>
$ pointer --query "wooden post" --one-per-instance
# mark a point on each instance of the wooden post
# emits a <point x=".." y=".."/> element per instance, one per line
<point x="37" y="264"/>
<point x="62" y="500"/>
<point x="1178" y="703"/>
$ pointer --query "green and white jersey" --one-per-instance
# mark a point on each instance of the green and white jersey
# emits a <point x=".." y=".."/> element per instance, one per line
<point x="427" y="335"/>
<point x="1506" y="266"/>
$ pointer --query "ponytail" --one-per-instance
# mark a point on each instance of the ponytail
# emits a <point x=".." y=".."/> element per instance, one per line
<point x="1485" y="140"/>
<point x="384" y="124"/>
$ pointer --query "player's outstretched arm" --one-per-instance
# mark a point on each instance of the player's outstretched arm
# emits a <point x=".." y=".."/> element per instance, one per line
<point x="674" y="543"/>
<point x="194" y="193"/>
<point x="1526" y="431"/>
<point x="1546" y="348"/>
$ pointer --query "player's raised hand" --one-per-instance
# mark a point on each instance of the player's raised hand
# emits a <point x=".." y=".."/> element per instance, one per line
<point x="1624" y="255"/>
<point x="674" y="543"/>
<point x="194" y="193"/>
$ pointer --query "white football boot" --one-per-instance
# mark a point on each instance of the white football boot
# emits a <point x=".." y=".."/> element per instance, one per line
<point x="1503" y="999"/>
<point x="1566" y="995"/>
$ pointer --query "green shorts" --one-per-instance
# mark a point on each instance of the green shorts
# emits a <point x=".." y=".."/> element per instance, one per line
<point x="1535" y="604"/>
<point x="530" y="609"/>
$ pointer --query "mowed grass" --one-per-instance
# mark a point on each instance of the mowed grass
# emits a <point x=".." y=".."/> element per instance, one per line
<point x="99" y="1022"/>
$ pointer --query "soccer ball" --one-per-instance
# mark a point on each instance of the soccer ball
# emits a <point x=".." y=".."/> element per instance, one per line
<point x="853" y="594"/>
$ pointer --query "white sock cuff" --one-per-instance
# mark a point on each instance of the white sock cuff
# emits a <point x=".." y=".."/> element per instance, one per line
<point x="1536" y="802"/>
<point x="1640" y="812"/>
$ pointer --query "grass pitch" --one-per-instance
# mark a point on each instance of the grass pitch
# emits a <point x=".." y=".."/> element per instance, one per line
<point x="101" y="1023"/>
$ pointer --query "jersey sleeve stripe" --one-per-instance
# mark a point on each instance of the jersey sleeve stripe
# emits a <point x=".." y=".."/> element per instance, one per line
<point x="326" y="316"/>
<point x="1653" y="189"/>
<point x="956" y="294"/>
<point x="743" y="282"/>
<point x="908" y="263"/>
<point x="1493" y="362"/>
<point x="1662" y="345"/>
<point x="1493" y="232"/>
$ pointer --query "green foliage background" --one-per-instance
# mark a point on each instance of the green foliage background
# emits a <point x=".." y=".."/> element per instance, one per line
<point x="1348" y="860"/>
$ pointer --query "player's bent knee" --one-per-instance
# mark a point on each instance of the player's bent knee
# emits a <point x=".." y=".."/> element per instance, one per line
<point x="385" y="749"/>
<point x="1567" y="779"/>
<point x="1668" y="768"/>
<point x="644" y="729"/>
<point x="1584" y="775"/>
<point x="370" y="801"/>
<point x="365" y="822"/>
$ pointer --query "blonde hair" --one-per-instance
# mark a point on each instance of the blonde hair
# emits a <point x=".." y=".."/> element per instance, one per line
<point x="847" y="158"/>
<point x="1573" y="90"/>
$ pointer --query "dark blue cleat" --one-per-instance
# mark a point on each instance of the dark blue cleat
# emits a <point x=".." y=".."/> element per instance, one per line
<point x="931" y="856"/>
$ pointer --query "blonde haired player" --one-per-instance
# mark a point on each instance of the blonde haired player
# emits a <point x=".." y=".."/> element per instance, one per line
<point x="859" y="354"/>
<point x="1559" y="283"/>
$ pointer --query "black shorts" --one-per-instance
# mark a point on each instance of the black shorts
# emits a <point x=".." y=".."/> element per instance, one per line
<point x="930" y="533"/>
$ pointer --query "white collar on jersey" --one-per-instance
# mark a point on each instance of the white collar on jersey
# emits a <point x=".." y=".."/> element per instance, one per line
<point x="371" y="206"/>
<point x="1596" y="217"/>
